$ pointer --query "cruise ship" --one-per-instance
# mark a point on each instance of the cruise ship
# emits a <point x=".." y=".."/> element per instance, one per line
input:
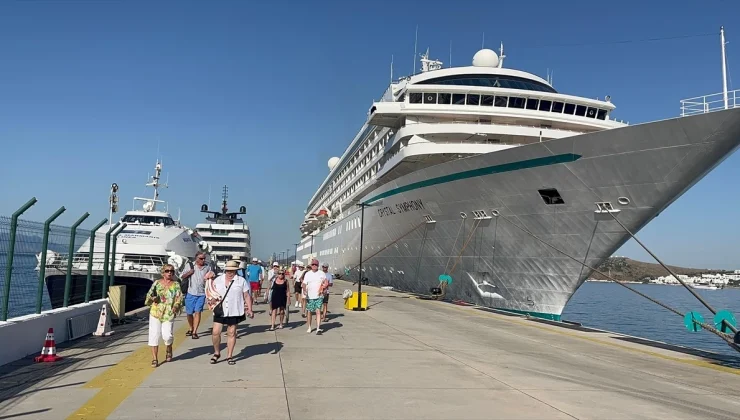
<point x="226" y="233"/>
<point x="488" y="181"/>
<point x="149" y="239"/>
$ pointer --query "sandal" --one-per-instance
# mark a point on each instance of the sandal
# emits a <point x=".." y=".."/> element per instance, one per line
<point x="168" y="357"/>
<point x="215" y="358"/>
<point x="280" y="327"/>
<point x="271" y="329"/>
<point x="195" y="336"/>
<point x="189" y="333"/>
<point x="155" y="363"/>
<point x="231" y="361"/>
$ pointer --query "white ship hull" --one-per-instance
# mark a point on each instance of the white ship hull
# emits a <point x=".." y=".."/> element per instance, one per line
<point x="502" y="266"/>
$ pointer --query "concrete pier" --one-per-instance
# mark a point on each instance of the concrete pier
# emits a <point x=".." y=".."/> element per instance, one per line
<point x="404" y="358"/>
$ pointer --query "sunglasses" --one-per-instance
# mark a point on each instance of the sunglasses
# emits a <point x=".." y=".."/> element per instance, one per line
<point x="168" y="271"/>
<point x="201" y="258"/>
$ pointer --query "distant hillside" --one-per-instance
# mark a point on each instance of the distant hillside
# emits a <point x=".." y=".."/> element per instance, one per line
<point x="625" y="269"/>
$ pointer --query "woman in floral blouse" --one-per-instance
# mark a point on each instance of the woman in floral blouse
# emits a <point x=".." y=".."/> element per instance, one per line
<point x="165" y="299"/>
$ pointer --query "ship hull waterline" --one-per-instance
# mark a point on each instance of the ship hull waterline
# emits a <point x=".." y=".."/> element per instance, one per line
<point x="501" y="262"/>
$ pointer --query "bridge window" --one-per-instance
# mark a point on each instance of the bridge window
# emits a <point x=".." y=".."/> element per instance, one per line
<point x="601" y="115"/>
<point x="415" y="98"/>
<point x="557" y="107"/>
<point x="458" y="99"/>
<point x="444" y="98"/>
<point x="501" y="101"/>
<point x="516" y="102"/>
<point x="532" y="103"/>
<point x="591" y="113"/>
<point x="569" y="109"/>
<point x="486" y="100"/>
<point x="496" y="81"/>
<point x="545" y="105"/>
<point x="581" y="110"/>
<point x="430" y="98"/>
<point x="473" y="99"/>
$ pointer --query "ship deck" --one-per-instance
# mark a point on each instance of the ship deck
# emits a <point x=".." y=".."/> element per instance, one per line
<point x="403" y="358"/>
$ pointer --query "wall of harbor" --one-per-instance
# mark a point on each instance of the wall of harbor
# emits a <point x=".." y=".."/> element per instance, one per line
<point x="25" y="335"/>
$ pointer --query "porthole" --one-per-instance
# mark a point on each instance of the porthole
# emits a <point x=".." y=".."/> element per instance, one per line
<point x="495" y="213"/>
<point x="463" y="215"/>
<point x="623" y="201"/>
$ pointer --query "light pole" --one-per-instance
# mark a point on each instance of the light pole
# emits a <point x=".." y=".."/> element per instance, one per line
<point x="296" y="251"/>
<point x="287" y="252"/>
<point x="311" y="256"/>
<point x="359" y="282"/>
<point x="112" y="203"/>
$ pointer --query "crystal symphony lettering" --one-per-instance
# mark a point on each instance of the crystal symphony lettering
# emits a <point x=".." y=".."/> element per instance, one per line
<point x="406" y="206"/>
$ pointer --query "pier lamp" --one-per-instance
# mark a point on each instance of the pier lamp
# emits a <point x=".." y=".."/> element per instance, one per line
<point x="296" y="250"/>
<point x="362" y="237"/>
<point x="287" y="254"/>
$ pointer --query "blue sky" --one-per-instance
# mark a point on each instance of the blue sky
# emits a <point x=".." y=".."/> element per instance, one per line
<point x="259" y="95"/>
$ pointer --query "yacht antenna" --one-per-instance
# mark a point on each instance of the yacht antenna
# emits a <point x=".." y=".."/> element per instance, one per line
<point x="416" y="39"/>
<point x="501" y="55"/>
<point x="483" y="41"/>
<point x="724" y="65"/>
<point x="450" y="65"/>
<point x="391" y="69"/>
<point x="209" y="196"/>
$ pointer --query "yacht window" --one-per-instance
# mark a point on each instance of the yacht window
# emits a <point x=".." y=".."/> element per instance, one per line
<point x="516" y="102"/>
<point x="458" y="99"/>
<point x="569" y="109"/>
<point x="473" y="99"/>
<point x="551" y="196"/>
<point x="430" y="98"/>
<point x="557" y="107"/>
<point x="545" y="105"/>
<point x="503" y="81"/>
<point x="581" y="110"/>
<point x="402" y="97"/>
<point x="601" y="115"/>
<point x="591" y="113"/>
<point x="501" y="101"/>
<point x="444" y="98"/>
<point x="532" y="103"/>
<point x="486" y="100"/>
<point x="415" y="98"/>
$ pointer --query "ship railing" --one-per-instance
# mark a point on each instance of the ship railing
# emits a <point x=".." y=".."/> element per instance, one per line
<point x="124" y="262"/>
<point x="710" y="103"/>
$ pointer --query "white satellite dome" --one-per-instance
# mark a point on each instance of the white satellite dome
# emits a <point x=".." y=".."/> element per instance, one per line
<point x="333" y="162"/>
<point x="485" y="58"/>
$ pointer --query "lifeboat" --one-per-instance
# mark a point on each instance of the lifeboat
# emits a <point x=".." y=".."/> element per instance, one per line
<point x="322" y="215"/>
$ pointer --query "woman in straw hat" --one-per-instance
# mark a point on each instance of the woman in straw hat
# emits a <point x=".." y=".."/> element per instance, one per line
<point x="165" y="301"/>
<point x="229" y="297"/>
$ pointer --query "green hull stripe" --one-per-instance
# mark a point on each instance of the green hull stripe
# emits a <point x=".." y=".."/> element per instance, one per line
<point x="473" y="173"/>
<point x="543" y="315"/>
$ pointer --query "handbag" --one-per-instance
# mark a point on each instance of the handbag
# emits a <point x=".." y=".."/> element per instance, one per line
<point x="218" y="311"/>
<point x="185" y="283"/>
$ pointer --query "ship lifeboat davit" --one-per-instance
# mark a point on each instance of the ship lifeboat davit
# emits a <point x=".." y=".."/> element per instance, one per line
<point x="312" y="221"/>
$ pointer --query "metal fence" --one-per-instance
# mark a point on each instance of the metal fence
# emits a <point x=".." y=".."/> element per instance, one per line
<point x="33" y="252"/>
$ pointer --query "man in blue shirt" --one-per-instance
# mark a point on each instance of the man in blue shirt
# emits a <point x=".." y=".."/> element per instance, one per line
<point x="254" y="275"/>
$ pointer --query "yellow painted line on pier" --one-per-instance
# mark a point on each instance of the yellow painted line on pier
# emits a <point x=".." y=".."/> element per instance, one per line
<point x="562" y="331"/>
<point x="119" y="381"/>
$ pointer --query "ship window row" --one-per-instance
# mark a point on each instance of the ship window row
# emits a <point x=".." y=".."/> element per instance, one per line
<point x="377" y="149"/>
<point x="505" y="101"/>
<point x="219" y="232"/>
<point x="147" y="220"/>
<point x="228" y="239"/>
<point x="497" y="81"/>
<point x="363" y="179"/>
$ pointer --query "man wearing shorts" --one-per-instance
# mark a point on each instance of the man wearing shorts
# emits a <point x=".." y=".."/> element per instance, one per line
<point x="330" y="280"/>
<point x="254" y="276"/>
<point x="196" y="277"/>
<point x="313" y="285"/>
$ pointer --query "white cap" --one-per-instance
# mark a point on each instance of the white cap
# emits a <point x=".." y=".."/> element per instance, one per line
<point x="254" y="259"/>
<point x="275" y="264"/>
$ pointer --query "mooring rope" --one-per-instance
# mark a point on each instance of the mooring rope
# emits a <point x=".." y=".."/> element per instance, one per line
<point x="382" y="249"/>
<point x="462" y="223"/>
<point x="459" y="257"/>
<point x="724" y="336"/>
<point x="696" y="295"/>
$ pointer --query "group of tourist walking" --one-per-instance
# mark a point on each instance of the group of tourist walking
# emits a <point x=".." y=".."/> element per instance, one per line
<point x="231" y="297"/>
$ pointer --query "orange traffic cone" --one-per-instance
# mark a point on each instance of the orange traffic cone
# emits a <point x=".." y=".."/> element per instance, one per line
<point x="49" y="351"/>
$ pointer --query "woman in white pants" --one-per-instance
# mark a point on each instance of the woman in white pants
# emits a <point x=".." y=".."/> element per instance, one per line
<point x="165" y="300"/>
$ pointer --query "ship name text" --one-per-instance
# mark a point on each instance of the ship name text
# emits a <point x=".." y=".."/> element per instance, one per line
<point x="406" y="206"/>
